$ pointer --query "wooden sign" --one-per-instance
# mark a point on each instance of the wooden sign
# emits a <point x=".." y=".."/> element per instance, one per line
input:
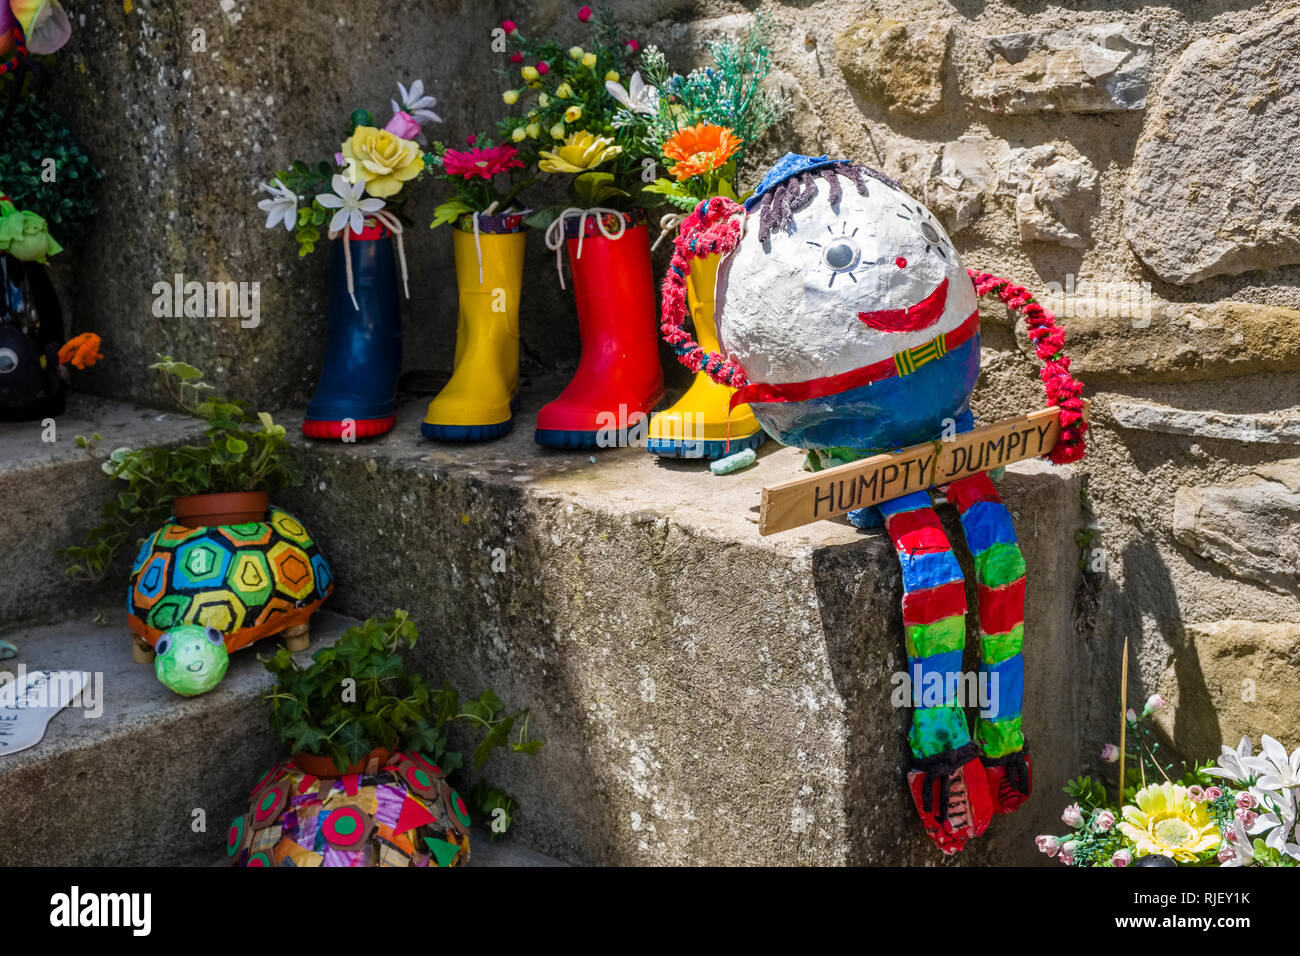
<point x="839" y="490"/>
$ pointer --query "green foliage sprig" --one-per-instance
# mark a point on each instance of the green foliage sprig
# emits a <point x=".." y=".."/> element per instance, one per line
<point x="243" y="452"/>
<point x="36" y="135"/>
<point x="729" y="93"/>
<point x="359" y="695"/>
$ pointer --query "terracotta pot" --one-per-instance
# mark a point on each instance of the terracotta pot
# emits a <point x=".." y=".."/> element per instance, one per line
<point x="208" y="511"/>
<point x="323" y="767"/>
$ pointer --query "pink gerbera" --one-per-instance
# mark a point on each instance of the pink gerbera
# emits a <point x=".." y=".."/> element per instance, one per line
<point x="484" y="163"/>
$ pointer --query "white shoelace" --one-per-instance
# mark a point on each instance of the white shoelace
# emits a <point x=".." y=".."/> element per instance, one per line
<point x="555" y="231"/>
<point x="395" y="227"/>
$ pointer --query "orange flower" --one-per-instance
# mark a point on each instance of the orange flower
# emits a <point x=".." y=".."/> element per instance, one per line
<point x="81" y="351"/>
<point x="700" y="149"/>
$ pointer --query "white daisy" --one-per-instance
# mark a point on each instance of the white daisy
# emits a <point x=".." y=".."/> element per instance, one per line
<point x="283" y="204"/>
<point x="416" y="103"/>
<point x="351" y="208"/>
<point x="639" y="96"/>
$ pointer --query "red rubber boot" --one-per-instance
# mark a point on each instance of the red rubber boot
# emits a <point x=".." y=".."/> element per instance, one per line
<point x="619" y="380"/>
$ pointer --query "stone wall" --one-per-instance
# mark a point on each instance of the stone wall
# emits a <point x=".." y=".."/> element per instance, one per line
<point x="1137" y="159"/>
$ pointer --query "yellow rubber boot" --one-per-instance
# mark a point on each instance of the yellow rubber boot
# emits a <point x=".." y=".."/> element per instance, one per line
<point x="476" y="404"/>
<point x="698" y="425"/>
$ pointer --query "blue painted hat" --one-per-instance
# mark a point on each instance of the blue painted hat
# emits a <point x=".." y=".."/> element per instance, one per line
<point x="791" y="164"/>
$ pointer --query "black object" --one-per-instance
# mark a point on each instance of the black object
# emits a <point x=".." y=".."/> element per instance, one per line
<point x="31" y="330"/>
<point x="1154" y="859"/>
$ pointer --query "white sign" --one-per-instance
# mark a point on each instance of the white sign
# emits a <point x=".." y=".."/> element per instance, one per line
<point x="29" y="703"/>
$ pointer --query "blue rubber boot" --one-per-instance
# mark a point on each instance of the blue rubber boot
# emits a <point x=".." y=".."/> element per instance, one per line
<point x="356" y="395"/>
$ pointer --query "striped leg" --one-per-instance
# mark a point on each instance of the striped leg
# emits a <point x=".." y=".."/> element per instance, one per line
<point x="1000" y="577"/>
<point x="947" y="779"/>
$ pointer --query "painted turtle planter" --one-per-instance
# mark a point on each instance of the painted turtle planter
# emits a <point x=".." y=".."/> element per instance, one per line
<point x="249" y="581"/>
<point x="402" y="813"/>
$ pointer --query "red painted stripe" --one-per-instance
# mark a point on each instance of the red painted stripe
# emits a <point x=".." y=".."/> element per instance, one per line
<point x="934" y="604"/>
<point x="971" y="490"/>
<point x="855" y="378"/>
<point x="914" y="318"/>
<point x="917" y="531"/>
<point x="1003" y="608"/>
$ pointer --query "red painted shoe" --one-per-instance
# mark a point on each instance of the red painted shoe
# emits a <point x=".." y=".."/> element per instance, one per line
<point x="1010" y="778"/>
<point x="619" y="380"/>
<point x="951" y="794"/>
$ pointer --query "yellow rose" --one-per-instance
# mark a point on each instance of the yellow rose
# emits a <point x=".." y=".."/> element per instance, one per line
<point x="529" y="73"/>
<point x="611" y="76"/>
<point x="380" y="160"/>
<point x="518" y="134"/>
<point x="557" y="131"/>
<point x="589" y="60"/>
<point x="581" y="152"/>
<point x="510" y="97"/>
<point x="564" y="91"/>
<point x="534" y="131"/>
<point x="575" y="53"/>
<point x="572" y="114"/>
<point x="542" y="100"/>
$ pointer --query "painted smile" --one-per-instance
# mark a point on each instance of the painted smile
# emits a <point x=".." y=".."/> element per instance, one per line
<point x="912" y="319"/>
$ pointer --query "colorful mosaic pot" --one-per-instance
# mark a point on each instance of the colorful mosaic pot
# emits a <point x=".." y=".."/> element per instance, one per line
<point x="402" y="814"/>
<point x="249" y="581"/>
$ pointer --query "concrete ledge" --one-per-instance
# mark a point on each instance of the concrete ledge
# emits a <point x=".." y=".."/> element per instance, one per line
<point x="707" y="696"/>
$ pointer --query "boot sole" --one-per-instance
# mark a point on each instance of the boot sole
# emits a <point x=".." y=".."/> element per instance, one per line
<point x="361" y="427"/>
<point x="557" y="438"/>
<point x="465" y="433"/>
<point x="709" y="450"/>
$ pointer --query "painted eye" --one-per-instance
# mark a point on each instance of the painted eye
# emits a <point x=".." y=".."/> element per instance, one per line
<point x="8" y="361"/>
<point x="215" y="636"/>
<point x="920" y="220"/>
<point x="164" y="644"/>
<point x="841" y="255"/>
<point x="931" y="234"/>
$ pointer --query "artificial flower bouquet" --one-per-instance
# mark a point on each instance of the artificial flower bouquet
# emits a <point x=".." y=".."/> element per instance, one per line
<point x="1237" y="811"/>
<point x="701" y="124"/>
<point x="473" y="175"/>
<point x="566" y="113"/>
<point x="358" y="197"/>
<point x="368" y="173"/>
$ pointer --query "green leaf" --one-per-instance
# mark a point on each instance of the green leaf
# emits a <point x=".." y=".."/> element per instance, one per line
<point x="449" y="211"/>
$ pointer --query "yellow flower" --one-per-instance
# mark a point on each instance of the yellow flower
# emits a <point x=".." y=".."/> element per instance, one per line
<point x="575" y="53"/>
<point x="518" y="134"/>
<point x="542" y="99"/>
<point x="581" y="152"/>
<point x="529" y="73"/>
<point x="1166" y="821"/>
<point x="611" y="76"/>
<point x="380" y="160"/>
<point x="534" y="131"/>
<point x="572" y="114"/>
<point x="557" y="131"/>
<point x="589" y="60"/>
<point x="564" y="91"/>
<point x="510" y="97"/>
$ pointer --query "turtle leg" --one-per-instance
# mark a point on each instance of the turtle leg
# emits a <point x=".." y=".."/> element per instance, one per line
<point x="297" y="638"/>
<point x="141" y="651"/>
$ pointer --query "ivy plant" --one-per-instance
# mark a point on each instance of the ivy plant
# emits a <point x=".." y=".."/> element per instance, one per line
<point x="359" y="694"/>
<point x="243" y="452"/>
<point x="45" y="170"/>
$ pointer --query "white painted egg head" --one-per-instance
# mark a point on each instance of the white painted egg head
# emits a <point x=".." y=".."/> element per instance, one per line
<point x="847" y="307"/>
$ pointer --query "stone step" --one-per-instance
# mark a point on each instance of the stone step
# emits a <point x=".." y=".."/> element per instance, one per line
<point x="707" y="696"/>
<point x="122" y="788"/>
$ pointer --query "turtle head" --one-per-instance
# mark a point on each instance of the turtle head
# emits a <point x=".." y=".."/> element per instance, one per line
<point x="191" y="660"/>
